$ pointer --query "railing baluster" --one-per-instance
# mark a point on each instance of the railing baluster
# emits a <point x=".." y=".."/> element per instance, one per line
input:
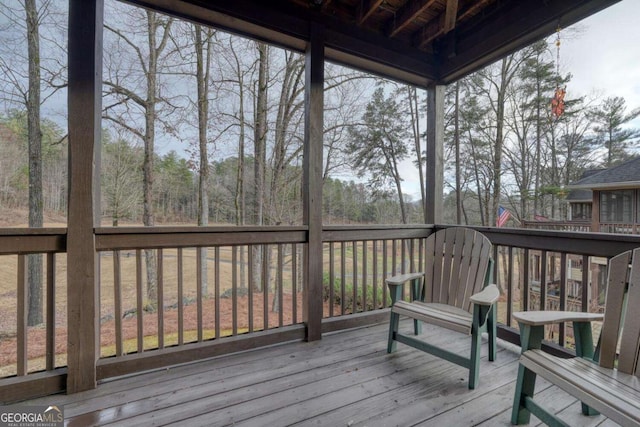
<point x="584" y="298"/>
<point x="563" y="295"/>
<point x="294" y="282"/>
<point x="51" y="312"/>
<point x="280" y="284"/>
<point x="364" y="275"/>
<point x="394" y="258"/>
<point x="525" y="277"/>
<point x="385" y="271"/>
<point x="22" y="316"/>
<point x="160" y="308"/>
<point x="250" y="286"/>
<point x="265" y="287"/>
<point x="117" y="301"/>
<point x="180" y="297"/>
<point x="375" y="275"/>
<point x="403" y="256"/>
<point x="343" y="276"/>
<point x="510" y="287"/>
<point x="354" y="276"/>
<point x="421" y="257"/>
<point x="234" y="290"/>
<point x="496" y="264"/>
<point x="543" y="280"/>
<point x="199" y="310"/>
<point x="332" y="273"/>
<point x="248" y="276"/>
<point x="139" y="297"/>
<point x="412" y="262"/>
<point x="216" y="285"/>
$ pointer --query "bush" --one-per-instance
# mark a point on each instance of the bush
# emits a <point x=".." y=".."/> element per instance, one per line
<point x="348" y="295"/>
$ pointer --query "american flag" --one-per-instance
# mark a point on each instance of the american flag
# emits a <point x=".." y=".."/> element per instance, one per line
<point x="503" y="216"/>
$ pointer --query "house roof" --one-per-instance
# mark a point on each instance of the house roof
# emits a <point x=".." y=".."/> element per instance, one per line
<point x="625" y="175"/>
<point x="416" y="41"/>
<point x="580" y="196"/>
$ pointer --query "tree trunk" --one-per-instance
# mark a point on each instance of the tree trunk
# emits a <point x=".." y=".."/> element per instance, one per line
<point x="415" y="127"/>
<point x="499" y="142"/>
<point x="260" y="154"/>
<point x="149" y="150"/>
<point x="203" y="61"/>
<point x="456" y="142"/>
<point x="35" y="312"/>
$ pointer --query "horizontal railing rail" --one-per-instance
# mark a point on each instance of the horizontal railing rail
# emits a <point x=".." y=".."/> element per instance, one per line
<point x="558" y="225"/>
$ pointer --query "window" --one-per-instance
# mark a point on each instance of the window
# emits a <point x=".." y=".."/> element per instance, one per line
<point x="616" y="206"/>
<point x="581" y="211"/>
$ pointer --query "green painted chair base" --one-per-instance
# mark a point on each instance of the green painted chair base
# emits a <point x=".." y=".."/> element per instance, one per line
<point x="484" y="320"/>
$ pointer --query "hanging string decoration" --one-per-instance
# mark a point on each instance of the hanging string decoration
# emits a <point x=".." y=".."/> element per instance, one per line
<point x="557" y="103"/>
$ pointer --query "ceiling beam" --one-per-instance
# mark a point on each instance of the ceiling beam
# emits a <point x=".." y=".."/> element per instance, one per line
<point x="506" y="28"/>
<point x="450" y="15"/>
<point x="406" y="14"/>
<point x="438" y="27"/>
<point x="366" y="9"/>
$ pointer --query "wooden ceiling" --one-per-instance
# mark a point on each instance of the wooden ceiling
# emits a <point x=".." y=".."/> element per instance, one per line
<point x="418" y="41"/>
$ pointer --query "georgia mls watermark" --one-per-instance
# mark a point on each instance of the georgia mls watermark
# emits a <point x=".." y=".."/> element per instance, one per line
<point x="31" y="416"/>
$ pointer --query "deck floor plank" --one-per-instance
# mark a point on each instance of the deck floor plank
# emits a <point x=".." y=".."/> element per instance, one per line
<point x="345" y="379"/>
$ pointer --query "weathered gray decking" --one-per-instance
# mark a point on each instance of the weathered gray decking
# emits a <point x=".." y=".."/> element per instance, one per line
<point x="347" y="379"/>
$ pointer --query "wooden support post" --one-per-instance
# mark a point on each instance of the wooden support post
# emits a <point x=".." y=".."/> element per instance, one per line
<point x="312" y="180"/>
<point x="435" y="156"/>
<point x="595" y="212"/>
<point x="85" y="84"/>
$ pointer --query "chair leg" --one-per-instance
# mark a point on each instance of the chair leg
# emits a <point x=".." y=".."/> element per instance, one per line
<point x="525" y="387"/>
<point x="394" y="324"/>
<point x="492" y="332"/>
<point x="474" y="360"/>
<point x="417" y="327"/>
<point x="416" y="285"/>
<point x="530" y="338"/>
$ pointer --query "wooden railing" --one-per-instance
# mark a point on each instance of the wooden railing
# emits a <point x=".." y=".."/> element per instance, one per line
<point x="619" y="228"/>
<point x="255" y="291"/>
<point x="208" y="283"/>
<point x="18" y="340"/>
<point x="583" y="226"/>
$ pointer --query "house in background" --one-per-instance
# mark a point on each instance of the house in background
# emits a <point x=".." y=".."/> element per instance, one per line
<point x="602" y="200"/>
<point x="609" y="199"/>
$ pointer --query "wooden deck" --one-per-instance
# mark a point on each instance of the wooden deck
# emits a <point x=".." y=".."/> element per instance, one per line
<point x="347" y="379"/>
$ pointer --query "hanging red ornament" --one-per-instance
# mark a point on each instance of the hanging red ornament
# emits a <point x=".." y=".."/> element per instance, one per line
<point x="557" y="103"/>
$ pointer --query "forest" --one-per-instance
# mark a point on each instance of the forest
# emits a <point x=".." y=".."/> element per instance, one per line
<point x="204" y="127"/>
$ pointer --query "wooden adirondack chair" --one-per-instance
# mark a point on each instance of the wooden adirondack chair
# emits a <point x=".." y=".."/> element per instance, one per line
<point x="454" y="293"/>
<point x="605" y="379"/>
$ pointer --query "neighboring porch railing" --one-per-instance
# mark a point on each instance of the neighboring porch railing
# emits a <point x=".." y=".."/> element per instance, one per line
<point x="256" y="289"/>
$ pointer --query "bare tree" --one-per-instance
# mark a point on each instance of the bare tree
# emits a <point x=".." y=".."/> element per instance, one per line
<point x="22" y="79"/>
<point x="133" y="88"/>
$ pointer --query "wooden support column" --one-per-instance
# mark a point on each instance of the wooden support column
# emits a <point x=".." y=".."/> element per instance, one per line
<point x="85" y="84"/>
<point x="312" y="180"/>
<point x="435" y="156"/>
<point x="595" y="212"/>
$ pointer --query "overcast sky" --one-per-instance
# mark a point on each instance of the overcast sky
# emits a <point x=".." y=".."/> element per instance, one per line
<point x="604" y="54"/>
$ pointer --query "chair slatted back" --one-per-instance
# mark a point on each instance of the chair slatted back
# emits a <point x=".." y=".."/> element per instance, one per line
<point x="457" y="259"/>
<point x="620" y="332"/>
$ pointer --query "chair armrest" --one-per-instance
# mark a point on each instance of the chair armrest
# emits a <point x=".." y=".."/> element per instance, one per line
<point x="538" y="318"/>
<point x="487" y="296"/>
<point x="401" y="279"/>
<point x="396" y="284"/>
